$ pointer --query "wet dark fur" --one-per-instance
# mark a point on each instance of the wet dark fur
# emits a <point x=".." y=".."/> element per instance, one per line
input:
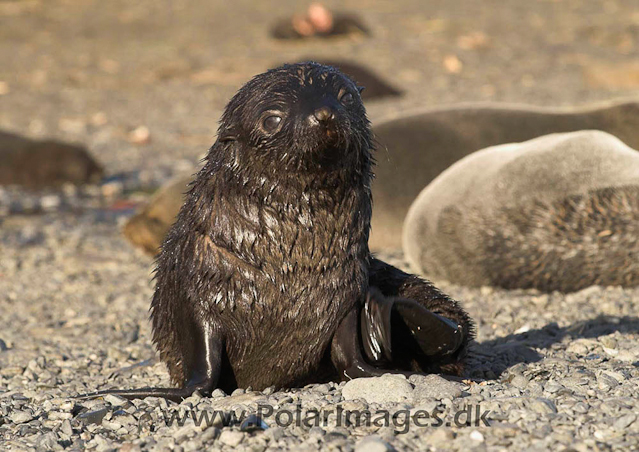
<point x="271" y="246"/>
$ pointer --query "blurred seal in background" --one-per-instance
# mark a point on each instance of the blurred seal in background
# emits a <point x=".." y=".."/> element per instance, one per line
<point x="415" y="148"/>
<point x="41" y="164"/>
<point x="560" y="212"/>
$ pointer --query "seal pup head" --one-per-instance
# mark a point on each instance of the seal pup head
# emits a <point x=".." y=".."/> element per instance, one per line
<point x="298" y="117"/>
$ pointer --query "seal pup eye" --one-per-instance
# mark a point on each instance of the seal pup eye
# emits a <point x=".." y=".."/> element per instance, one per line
<point x="271" y="123"/>
<point x="346" y="98"/>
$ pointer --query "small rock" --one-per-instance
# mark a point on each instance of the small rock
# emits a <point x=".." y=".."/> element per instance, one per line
<point x="553" y="387"/>
<point x="59" y="415"/>
<point x="114" y="400"/>
<point x="543" y="406"/>
<point x="624" y="421"/>
<point x="184" y="433"/>
<point x="66" y="428"/>
<point x="519" y="381"/>
<point x="20" y="417"/>
<point x="50" y="202"/>
<point x="609" y="342"/>
<point x="606" y="382"/>
<point x="275" y="433"/>
<point x="218" y="394"/>
<point x="93" y="417"/>
<point x="253" y="423"/>
<point x="434" y="387"/>
<point x="140" y="135"/>
<point x="453" y="64"/>
<point x="231" y="437"/>
<point x="384" y="389"/>
<point x="48" y="441"/>
<point x="373" y="443"/>
<point x="477" y="436"/>
<point x="317" y="431"/>
<point x="209" y="434"/>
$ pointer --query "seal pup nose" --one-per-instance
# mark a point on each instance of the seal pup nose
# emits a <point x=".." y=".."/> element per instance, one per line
<point x="323" y="114"/>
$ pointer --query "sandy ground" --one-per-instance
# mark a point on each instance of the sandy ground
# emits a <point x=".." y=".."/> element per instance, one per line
<point x="556" y="371"/>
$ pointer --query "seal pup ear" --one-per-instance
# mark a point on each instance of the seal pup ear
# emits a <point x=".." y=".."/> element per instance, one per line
<point x="360" y="89"/>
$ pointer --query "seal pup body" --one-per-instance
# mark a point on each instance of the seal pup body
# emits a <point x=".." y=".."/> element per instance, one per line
<point x="261" y="280"/>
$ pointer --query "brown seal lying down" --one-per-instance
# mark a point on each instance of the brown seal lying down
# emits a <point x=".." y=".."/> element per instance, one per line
<point x="40" y="164"/>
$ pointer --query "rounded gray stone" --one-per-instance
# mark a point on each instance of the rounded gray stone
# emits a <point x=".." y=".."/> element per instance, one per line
<point x="231" y="438"/>
<point x="373" y="443"/>
<point x="384" y="389"/>
<point x="434" y="387"/>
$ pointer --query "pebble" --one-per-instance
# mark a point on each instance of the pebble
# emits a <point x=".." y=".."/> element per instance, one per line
<point x="20" y="417"/>
<point x="66" y="428"/>
<point x="434" y="387"/>
<point x="93" y="417"/>
<point x="381" y="390"/>
<point x="624" y="421"/>
<point x="115" y="400"/>
<point x="275" y="433"/>
<point x="101" y="290"/>
<point x="543" y="406"/>
<point x="373" y="444"/>
<point x="231" y="438"/>
<point x="476" y="436"/>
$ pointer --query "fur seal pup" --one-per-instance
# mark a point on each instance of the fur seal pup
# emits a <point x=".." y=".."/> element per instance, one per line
<point x="262" y="278"/>
<point x="416" y="147"/>
<point x="148" y="227"/>
<point x="40" y="164"/>
<point x="560" y="212"/>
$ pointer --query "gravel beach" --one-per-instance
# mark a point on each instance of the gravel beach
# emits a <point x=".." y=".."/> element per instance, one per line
<point x="142" y="84"/>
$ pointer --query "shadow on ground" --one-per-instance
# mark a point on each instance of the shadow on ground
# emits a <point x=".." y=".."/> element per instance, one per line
<point x="489" y="359"/>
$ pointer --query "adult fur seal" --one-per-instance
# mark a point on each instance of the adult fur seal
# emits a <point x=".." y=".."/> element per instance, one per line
<point x="417" y="146"/>
<point x="560" y="212"/>
<point x="262" y="279"/>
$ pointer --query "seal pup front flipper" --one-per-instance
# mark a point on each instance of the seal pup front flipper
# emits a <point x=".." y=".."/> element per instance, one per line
<point x="423" y="321"/>
<point x="204" y="375"/>
<point x="435" y="335"/>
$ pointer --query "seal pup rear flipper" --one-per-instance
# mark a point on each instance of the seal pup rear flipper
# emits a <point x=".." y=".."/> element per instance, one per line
<point x="203" y="377"/>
